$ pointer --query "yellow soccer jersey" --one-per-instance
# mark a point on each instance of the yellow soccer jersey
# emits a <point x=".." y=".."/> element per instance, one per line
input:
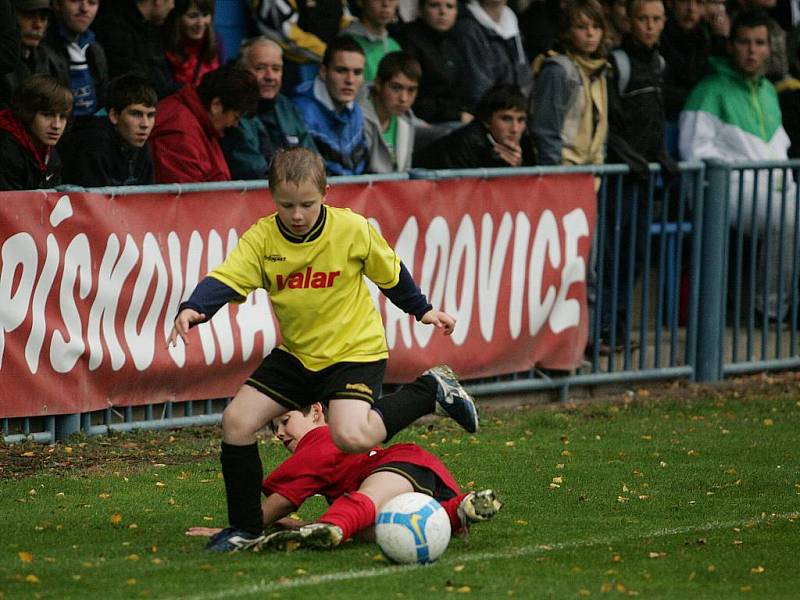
<point x="316" y="287"/>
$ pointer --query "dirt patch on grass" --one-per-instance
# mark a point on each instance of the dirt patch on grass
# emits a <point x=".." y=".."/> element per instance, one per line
<point x="117" y="452"/>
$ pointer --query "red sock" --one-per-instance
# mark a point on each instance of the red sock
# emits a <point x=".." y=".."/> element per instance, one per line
<point x="351" y="513"/>
<point x="451" y="508"/>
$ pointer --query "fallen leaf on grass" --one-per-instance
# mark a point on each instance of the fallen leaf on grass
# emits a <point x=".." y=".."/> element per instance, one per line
<point x="656" y="554"/>
<point x="25" y="557"/>
<point x="464" y="589"/>
<point x="116" y="519"/>
<point x="757" y="570"/>
<point x="32" y="578"/>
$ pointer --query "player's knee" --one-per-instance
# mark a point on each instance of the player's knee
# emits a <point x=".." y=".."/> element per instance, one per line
<point x="237" y="426"/>
<point x="351" y="441"/>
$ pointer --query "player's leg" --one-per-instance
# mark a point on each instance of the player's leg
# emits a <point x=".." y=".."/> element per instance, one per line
<point x="359" y="419"/>
<point x="472" y="507"/>
<point x="277" y="385"/>
<point x="348" y="515"/>
<point x="354" y="426"/>
<point x="436" y="390"/>
<point x="248" y="413"/>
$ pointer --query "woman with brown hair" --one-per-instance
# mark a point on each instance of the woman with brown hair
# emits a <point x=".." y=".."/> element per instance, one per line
<point x="191" y="46"/>
<point x="570" y="108"/>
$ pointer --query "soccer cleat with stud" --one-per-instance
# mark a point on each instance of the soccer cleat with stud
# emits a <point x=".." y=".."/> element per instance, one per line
<point x="480" y="506"/>
<point x="319" y="536"/>
<point x="452" y="399"/>
<point x="232" y="539"/>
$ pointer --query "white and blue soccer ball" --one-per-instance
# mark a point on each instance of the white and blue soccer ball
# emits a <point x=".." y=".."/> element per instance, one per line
<point x="412" y="528"/>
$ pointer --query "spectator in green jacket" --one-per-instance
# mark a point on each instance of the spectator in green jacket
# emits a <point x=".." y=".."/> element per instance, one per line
<point x="277" y="125"/>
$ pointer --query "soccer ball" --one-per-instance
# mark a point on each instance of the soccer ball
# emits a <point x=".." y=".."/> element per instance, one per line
<point x="412" y="528"/>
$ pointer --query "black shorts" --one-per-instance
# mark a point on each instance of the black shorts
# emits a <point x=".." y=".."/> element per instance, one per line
<point x="421" y="478"/>
<point x="283" y="378"/>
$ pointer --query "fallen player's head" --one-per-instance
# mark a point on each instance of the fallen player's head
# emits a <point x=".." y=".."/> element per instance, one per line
<point x="292" y="426"/>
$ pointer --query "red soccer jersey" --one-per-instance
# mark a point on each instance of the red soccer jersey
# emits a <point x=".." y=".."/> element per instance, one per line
<point x="319" y="467"/>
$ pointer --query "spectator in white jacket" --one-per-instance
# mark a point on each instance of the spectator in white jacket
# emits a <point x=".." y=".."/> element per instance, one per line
<point x="734" y="115"/>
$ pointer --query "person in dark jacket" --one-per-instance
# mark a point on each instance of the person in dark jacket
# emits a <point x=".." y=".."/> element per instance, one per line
<point x="496" y="138"/>
<point x="113" y="150"/>
<point x="539" y="26"/>
<point x="75" y="57"/>
<point x="276" y="124"/>
<point x="431" y="41"/>
<point x="686" y="48"/>
<point x="131" y="32"/>
<point x="635" y="137"/>
<point x="32" y="17"/>
<point x="635" y="98"/>
<point x="489" y="38"/>
<point x="29" y="131"/>
<point x="9" y="38"/>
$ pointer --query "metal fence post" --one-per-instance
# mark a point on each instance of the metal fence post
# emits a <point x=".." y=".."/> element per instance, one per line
<point x="66" y="425"/>
<point x="713" y="272"/>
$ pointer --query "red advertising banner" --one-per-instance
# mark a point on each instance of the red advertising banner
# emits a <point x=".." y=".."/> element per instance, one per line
<point x="90" y="284"/>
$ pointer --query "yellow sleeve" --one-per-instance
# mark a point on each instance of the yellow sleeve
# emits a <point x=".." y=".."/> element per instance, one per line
<point x="303" y="39"/>
<point x="242" y="269"/>
<point x="382" y="265"/>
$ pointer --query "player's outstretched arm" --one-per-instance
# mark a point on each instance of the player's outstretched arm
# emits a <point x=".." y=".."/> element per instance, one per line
<point x="274" y="510"/>
<point x="183" y="322"/>
<point x="440" y="320"/>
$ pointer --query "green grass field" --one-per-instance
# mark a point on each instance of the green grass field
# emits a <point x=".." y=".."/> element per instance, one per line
<point x="689" y="493"/>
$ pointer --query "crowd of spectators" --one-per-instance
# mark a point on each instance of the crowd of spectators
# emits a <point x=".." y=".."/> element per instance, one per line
<point x="379" y="86"/>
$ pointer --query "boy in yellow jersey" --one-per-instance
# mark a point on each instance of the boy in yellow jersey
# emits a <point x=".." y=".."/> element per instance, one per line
<point x="311" y="259"/>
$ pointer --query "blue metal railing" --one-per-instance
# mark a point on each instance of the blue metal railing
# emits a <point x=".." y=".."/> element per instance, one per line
<point x="675" y="282"/>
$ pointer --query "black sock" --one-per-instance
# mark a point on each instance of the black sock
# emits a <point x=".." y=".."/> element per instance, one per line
<point x="242" y="472"/>
<point x="407" y="404"/>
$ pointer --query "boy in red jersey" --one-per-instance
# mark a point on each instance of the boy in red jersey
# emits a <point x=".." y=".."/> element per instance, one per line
<point x="355" y="485"/>
<point x="312" y="260"/>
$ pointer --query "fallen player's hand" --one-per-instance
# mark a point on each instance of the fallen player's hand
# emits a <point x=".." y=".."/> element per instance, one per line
<point x="440" y="320"/>
<point x="203" y="531"/>
<point x="183" y="322"/>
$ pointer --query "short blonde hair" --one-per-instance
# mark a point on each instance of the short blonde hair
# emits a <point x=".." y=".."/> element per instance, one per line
<point x="296" y="166"/>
